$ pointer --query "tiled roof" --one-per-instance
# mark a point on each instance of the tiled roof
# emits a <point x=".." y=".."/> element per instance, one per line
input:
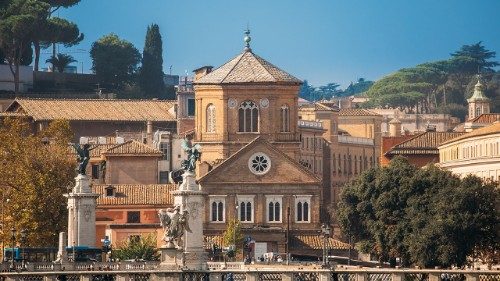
<point x="135" y="194"/>
<point x="318" y="106"/>
<point x="131" y="147"/>
<point x="491" y="129"/>
<point x="356" y="112"/>
<point x="94" y="109"/>
<point x="330" y="104"/>
<point x="424" y="143"/>
<point x="315" y="242"/>
<point x="247" y="67"/>
<point x="96" y="150"/>
<point x="486" y="118"/>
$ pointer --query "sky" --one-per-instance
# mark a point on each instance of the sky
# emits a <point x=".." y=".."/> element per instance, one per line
<point x="321" y="41"/>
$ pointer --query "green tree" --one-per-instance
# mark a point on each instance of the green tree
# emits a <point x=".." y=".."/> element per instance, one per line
<point x="18" y="25"/>
<point x="307" y="91"/>
<point x="426" y="217"/>
<point x="114" y="60"/>
<point x="472" y="59"/>
<point x="35" y="171"/>
<point x="359" y="87"/>
<point x="233" y="237"/>
<point x="143" y="248"/>
<point x="327" y="91"/>
<point x="151" y="72"/>
<point x="55" y="30"/>
<point x="61" y="61"/>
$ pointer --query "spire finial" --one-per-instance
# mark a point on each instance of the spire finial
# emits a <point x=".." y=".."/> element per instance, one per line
<point x="247" y="39"/>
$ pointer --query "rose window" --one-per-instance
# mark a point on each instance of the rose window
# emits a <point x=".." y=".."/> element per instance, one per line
<point x="259" y="163"/>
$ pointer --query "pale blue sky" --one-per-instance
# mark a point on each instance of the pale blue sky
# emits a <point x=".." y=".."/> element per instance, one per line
<point x="321" y="41"/>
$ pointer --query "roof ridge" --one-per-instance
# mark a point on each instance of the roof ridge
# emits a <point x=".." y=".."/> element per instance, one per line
<point x="234" y="65"/>
<point x="258" y="58"/>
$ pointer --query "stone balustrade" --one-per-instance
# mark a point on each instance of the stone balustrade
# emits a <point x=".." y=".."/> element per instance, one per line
<point x="237" y="271"/>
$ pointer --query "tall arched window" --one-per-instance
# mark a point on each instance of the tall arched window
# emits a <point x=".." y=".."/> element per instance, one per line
<point x="217" y="210"/>
<point x="210" y="118"/>
<point x="248" y="117"/>
<point x="302" y="208"/>
<point x="285" y="118"/>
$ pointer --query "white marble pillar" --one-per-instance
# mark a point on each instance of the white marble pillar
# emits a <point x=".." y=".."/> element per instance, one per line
<point x="81" y="213"/>
<point x="191" y="199"/>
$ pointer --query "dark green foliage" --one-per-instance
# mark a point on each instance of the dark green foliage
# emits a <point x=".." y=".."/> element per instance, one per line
<point x="151" y="73"/>
<point x="143" y="248"/>
<point x="61" y="61"/>
<point x="307" y="91"/>
<point x="430" y="87"/>
<point x="426" y="217"/>
<point x="473" y="59"/>
<point x="114" y="60"/>
<point x="359" y="87"/>
<point x="453" y="109"/>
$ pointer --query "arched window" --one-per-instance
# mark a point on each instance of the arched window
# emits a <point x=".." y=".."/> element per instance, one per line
<point x="271" y="211"/>
<point x="243" y="212"/>
<point x="274" y="211"/>
<point x="285" y="118"/>
<point x="217" y="209"/>
<point x="302" y="208"/>
<point x="299" y="211"/>
<point x="248" y="117"/>
<point x="210" y="118"/>
<point x="245" y="208"/>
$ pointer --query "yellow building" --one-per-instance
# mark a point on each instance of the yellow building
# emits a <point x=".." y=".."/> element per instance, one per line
<point x="242" y="99"/>
<point x="476" y="153"/>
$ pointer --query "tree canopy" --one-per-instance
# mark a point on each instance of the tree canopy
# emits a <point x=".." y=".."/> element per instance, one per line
<point x="427" y="217"/>
<point x="151" y="72"/>
<point x="61" y="61"/>
<point x="114" y="60"/>
<point x="35" y="171"/>
<point x="430" y="87"/>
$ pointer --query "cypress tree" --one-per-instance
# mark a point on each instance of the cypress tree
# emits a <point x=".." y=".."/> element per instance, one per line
<point x="151" y="75"/>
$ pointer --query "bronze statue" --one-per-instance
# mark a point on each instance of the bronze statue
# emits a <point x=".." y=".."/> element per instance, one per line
<point x="193" y="155"/>
<point x="174" y="224"/>
<point x="83" y="157"/>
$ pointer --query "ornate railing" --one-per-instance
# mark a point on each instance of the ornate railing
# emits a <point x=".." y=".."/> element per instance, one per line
<point x="253" y="273"/>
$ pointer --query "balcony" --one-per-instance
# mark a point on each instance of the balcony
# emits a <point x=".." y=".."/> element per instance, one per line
<point x="355" y="140"/>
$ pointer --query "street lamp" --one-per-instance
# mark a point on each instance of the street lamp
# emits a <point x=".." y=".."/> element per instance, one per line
<point x="23" y="245"/>
<point x="325" y="231"/>
<point x="4" y="201"/>
<point x="13" y="240"/>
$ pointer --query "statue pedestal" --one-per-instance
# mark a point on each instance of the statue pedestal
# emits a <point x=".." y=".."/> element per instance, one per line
<point x="171" y="258"/>
<point x="81" y="213"/>
<point x="191" y="199"/>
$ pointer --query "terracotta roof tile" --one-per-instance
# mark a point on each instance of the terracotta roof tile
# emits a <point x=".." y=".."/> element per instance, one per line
<point x="315" y="242"/>
<point x="247" y="67"/>
<point x="492" y="129"/>
<point x="136" y="194"/>
<point x="486" y="118"/>
<point x="356" y="112"/>
<point x="94" y="109"/>
<point x="131" y="147"/>
<point x="424" y="143"/>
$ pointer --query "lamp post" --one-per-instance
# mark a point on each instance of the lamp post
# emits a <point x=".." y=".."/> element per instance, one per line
<point x="23" y="245"/>
<point x="325" y="230"/>
<point x="4" y="201"/>
<point x="234" y="230"/>
<point x="13" y="240"/>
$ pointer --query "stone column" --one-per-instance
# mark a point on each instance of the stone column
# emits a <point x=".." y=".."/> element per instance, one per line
<point x="81" y="213"/>
<point x="191" y="199"/>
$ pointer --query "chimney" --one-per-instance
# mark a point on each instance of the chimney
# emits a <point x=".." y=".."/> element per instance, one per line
<point x="149" y="132"/>
<point x="395" y="127"/>
<point x="202" y="71"/>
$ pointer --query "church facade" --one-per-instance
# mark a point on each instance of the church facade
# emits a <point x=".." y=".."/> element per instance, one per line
<point x="247" y="123"/>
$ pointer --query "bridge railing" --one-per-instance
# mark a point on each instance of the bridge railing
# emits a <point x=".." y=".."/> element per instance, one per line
<point x="112" y="273"/>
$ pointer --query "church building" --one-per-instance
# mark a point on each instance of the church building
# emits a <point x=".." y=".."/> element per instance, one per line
<point x="246" y="121"/>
